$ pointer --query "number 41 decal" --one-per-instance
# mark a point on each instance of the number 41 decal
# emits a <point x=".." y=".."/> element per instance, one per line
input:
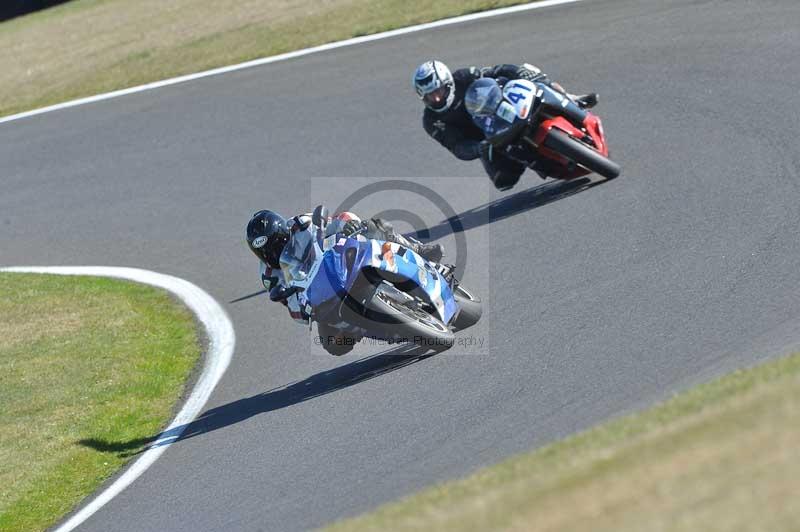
<point x="515" y="97"/>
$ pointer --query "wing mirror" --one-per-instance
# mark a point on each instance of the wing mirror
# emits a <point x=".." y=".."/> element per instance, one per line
<point x="320" y="216"/>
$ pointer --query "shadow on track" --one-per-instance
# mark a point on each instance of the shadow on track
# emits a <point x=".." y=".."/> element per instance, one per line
<point x="503" y="208"/>
<point x="248" y="296"/>
<point x="316" y="385"/>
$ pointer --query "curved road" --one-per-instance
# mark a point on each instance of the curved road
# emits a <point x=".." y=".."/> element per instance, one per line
<point x="600" y="301"/>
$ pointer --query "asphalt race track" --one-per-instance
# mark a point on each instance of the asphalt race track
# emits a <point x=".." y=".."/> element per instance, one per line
<point x="600" y="299"/>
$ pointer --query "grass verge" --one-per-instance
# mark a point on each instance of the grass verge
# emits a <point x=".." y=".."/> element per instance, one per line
<point x="722" y="456"/>
<point x="82" y="360"/>
<point x="85" y="47"/>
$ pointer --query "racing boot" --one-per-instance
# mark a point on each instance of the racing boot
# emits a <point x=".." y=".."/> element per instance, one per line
<point x="334" y="341"/>
<point x="545" y="168"/>
<point x="585" y="101"/>
<point x="430" y="252"/>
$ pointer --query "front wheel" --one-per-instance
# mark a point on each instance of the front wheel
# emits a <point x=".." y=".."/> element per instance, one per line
<point x="405" y="321"/>
<point x="581" y="154"/>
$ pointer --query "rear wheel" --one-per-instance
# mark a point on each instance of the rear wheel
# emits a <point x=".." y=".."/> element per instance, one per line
<point x="581" y="154"/>
<point x="471" y="308"/>
<point x="405" y="321"/>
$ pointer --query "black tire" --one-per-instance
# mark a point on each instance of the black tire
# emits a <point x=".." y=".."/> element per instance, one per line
<point x="471" y="308"/>
<point x="581" y="154"/>
<point x="398" y="322"/>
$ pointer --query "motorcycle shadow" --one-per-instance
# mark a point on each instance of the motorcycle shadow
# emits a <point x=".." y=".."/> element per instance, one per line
<point x="316" y="385"/>
<point x="508" y="206"/>
<point x="247" y="296"/>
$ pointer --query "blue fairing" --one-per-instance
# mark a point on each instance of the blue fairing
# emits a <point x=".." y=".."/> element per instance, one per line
<point x="336" y="278"/>
<point x="328" y="284"/>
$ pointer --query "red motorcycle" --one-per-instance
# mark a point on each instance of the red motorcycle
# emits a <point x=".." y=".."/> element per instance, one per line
<point x="536" y="125"/>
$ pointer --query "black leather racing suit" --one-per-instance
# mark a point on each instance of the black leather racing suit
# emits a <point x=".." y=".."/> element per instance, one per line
<point x="455" y="130"/>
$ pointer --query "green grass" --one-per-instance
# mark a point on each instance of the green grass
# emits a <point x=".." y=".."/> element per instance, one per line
<point x="85" y="47"/>
<point x="82" y="361"/>
<point x="722" y="456"/>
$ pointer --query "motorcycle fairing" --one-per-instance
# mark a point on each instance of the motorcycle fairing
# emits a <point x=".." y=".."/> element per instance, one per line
<point x="345" y="260"/>
<point x="520" y="95"/>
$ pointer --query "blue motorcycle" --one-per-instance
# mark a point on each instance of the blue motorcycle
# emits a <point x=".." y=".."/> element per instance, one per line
<point x="375" y="289"/>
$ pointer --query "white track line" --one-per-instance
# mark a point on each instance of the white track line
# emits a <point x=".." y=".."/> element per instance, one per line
<point x="289" y="55"/>
<point x="220" y="350"/>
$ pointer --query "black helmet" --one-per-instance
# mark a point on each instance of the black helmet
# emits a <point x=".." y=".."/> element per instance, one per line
<point x="267" y="234"/>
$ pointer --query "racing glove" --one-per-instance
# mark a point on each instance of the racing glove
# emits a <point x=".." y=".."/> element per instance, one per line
<point x="269" y="281"/>
<point x="530" y="72"/>
<point x="351" y="227"/>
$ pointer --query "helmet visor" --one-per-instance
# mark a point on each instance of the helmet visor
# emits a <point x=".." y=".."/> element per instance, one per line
<point x="274" y="248"/>
<point x="269" y="249"/>
<point x="437" y="98"/>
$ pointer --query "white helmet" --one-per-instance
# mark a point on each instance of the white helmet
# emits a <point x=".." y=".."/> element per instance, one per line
<point x="434" y="84"/>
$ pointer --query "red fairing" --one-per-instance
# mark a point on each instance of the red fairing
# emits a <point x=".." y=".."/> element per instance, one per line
<point x="593" y="127"/>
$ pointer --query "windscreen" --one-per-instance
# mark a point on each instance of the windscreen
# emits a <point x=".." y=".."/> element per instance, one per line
<point x="483" y="97"/>
<point x="299" y="255"/>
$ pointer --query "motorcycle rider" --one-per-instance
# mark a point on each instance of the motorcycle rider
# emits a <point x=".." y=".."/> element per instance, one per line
<point x="268" y="233"/>
<point x="446" y="118"/>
